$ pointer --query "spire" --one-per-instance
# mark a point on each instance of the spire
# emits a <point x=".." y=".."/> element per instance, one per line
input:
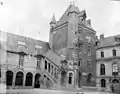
<point x="53" y="19"/>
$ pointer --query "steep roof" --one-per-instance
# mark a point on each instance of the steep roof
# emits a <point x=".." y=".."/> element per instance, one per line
<point x="108" y="41"/>
<point x="65" y="17"/>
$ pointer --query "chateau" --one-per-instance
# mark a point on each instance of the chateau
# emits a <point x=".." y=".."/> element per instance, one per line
<point x="68" y="60"/>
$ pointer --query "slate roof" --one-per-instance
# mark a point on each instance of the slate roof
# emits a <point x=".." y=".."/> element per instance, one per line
<point x="108" y="41"/>
<point x="32" y="46"/>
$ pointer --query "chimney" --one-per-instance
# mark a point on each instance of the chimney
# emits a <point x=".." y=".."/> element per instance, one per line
<point x="102" y="36"/>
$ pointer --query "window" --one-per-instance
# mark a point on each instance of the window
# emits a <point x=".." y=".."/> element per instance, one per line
<point x="79" y="62"/>
<point x="102" y="54"/>
<point x="89" y="51"/>
<point x="45" y="65"/>
<point x="103" y="83"/>
<point x="89" y="78"/>
<point x="89" y="64"/>
<point x="52" y="70"/>
<point x="114" y="52"/>
<point x="21" y="60"/>
<point x="55" y="72"/>
<point x="38" y="62"/>
<point x="48" y="67"/>
<point x="70" y="78"/>
<point x="114" y="69"/>
<point x="102" y="69"/>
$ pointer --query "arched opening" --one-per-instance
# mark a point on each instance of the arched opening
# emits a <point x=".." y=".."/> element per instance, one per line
<point x="79" y="79"/>
<point x="102" y="69"/>
<point x="115" y="84"/>
<point x="9" y="78"/>
<point x="63" y="78"/>
<point x="19" y="79"/>
<point x="37" y="80"/>
<point x="29" y="77"/>
<point x="70" y="78"/>
<point x="103" y="83"/>
<point x="89" y="78"/>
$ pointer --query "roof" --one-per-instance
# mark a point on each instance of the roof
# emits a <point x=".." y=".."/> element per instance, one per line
<point x="108" y="41"/>
<point x="17" y="43"/>
<point x="53" y="57"/>
<point x="65" y="17"/>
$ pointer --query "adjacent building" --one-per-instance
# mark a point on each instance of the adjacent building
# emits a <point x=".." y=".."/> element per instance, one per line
<point x="108" y="62"/>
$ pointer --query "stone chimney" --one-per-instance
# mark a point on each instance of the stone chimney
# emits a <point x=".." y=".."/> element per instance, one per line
<point x="102" y="36"/>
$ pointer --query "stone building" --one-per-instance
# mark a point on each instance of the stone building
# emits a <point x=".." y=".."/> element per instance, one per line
<point x="67" y="60"/>
<point x="108" y="61"/>
<point x="73" y="38"/>
<point x="23" y="63"/>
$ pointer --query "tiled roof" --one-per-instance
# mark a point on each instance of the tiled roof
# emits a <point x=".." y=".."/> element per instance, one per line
<point x="17" y="43"/>
<point x="108" y="41"/>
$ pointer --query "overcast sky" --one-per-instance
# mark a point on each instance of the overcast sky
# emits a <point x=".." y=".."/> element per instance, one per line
<point x="31" y="17"/>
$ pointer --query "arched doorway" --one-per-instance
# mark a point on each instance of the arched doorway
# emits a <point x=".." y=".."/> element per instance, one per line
<point x="89" y="78"/>
<point x="79" y="79"/>
<point x="19" y="78"/>
<point x="115" y="84"/>
<point x="70" y="78"/>
<point x="103" y="83"/>
<point x="9" y="78"/>
<point x="29" y="77"/>
<point x="37" y="81"/>
<point x="63" y="78"/>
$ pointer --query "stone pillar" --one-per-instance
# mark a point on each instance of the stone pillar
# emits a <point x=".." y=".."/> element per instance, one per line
<point x="24" y="79"/>
<point x="3" y="80"/>
<point x="33" y="81"/>
<point x="14" y="78"/>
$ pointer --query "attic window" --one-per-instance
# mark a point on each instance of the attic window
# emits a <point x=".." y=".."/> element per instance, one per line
<point x="38" y="46"/>
<point x="21" y="43"/>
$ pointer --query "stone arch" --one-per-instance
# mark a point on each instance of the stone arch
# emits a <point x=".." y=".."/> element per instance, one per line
<point x="19" y="78"/>
<point x="115" y="81"/>
<point x="37" y="80"/>
<point x="9" y="77"/>
<point x="103" y="83"/>
<point x="29" y="77"/>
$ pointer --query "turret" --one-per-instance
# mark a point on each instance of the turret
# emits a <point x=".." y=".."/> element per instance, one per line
<point x="53" y="22"/>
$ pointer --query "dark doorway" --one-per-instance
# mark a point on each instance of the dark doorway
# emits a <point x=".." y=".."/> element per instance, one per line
<point x="29" y="77"/>
<point x="19" y="79"/>
<point x="9" y="78"/>
<point x="37" y="81"/>
<point x="79" y="79"/>
<point x="103" y="83"/>
<point x="63" y="78"/>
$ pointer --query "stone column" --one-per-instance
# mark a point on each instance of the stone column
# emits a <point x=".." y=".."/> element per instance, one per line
<point x="24" y="79"/>
<point x="14" y="78"/>
<point x="3" y="80"/>
<point x="33" y="81"/>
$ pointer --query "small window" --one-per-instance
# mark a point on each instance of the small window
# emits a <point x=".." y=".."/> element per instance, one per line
<point x="38" y="62"/>
<point x="89" y="51"/>
<point x="79" y="62"/>
<point x="21" y="60"/>
<point x="114" y="52"/>
<point x="48" y="67"/>
<point x="102" y="54"/>
<point x="45" y="65"/>
<point x="102" y="69"/>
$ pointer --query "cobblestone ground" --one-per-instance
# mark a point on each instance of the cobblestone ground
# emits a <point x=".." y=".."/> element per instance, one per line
<point x="44" y="91"/>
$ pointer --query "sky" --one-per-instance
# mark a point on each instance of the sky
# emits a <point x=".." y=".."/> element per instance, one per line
<point x="31" y="18"/>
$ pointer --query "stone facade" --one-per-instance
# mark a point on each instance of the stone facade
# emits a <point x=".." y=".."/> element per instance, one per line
<point x="108" y="62"/>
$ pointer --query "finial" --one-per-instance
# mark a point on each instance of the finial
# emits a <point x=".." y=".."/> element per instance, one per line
<point x="72" y="2"/>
